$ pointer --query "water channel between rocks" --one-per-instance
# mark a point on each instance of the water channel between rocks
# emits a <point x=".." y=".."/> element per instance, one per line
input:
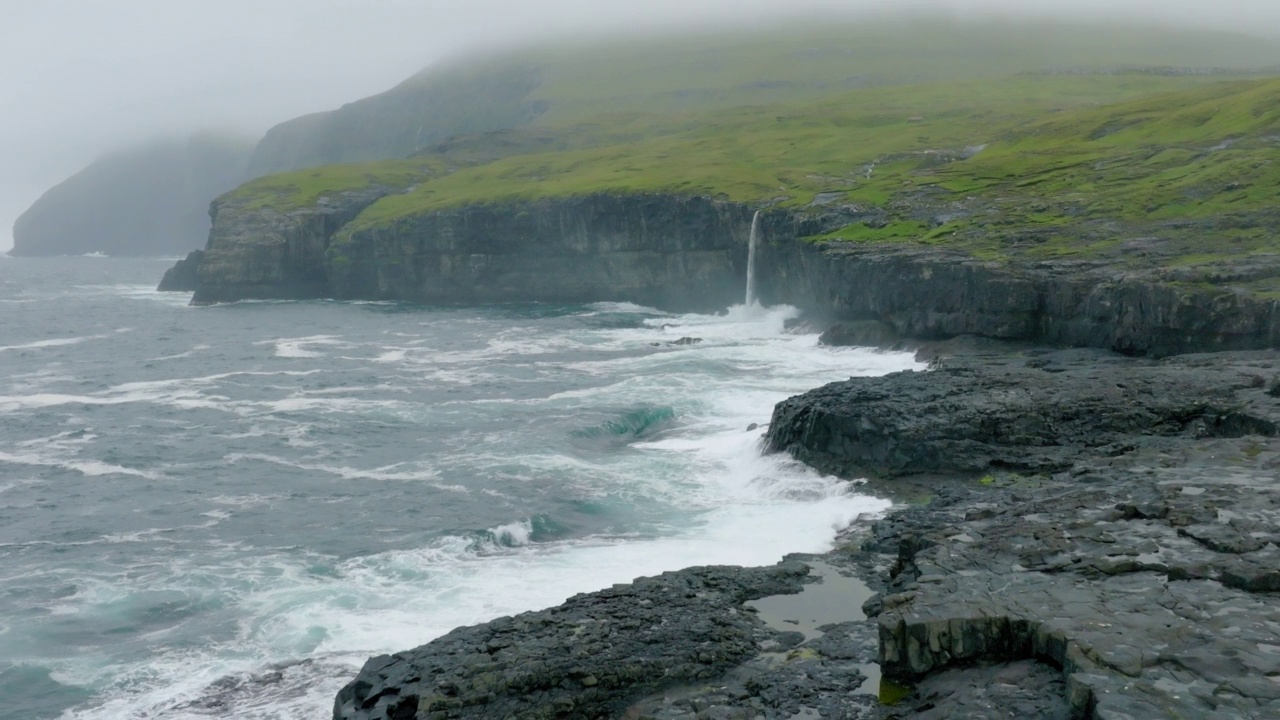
<point x="835" y="598"/>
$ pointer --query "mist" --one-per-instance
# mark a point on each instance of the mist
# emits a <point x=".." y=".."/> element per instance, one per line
<point x="82" y="78"/>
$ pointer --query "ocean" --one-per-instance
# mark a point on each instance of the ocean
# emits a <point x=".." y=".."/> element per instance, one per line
<point x="223" y="511"/>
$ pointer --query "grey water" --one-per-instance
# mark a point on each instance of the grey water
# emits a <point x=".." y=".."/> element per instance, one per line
<point x="753" y="240"/>
<point x="222" y="511"/>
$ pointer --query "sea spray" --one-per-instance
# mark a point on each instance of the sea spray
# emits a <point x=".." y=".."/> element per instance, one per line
<point x="752" y="242"/>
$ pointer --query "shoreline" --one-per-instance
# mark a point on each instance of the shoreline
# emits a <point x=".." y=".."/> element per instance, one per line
<point x="1086" y="582"/>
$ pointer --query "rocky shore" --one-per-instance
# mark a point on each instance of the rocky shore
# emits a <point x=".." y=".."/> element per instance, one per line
<point x="1077" y="534"/>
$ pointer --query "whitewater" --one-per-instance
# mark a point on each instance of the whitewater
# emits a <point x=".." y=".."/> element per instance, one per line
<point x="223" y="511"/>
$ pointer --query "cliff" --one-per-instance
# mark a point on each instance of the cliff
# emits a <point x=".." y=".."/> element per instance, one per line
<point x="151" y="200"/>
<point x="938" y="293"/>
<point x="184" y="276"/>
<point x="657" y="250"/>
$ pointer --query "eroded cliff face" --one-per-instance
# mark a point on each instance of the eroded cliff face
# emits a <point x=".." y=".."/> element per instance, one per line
<point x="258" y="252"/>
<point x="670" y="252"/>
<point x="935" y="293"/>
<point x="676" y="253"/>
<point x="690" y="253"/>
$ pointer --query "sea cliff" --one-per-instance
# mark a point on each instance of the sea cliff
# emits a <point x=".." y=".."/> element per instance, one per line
<point x="689" y="253"/>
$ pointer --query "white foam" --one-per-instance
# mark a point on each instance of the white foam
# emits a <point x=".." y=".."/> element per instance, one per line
<point x="388" y="472"/>
<point x="184" y="393"/>
<point x="297" y="347"/>
<point x="91" y="468"/>
<point x="625" y="307"/>
<point x="513" y="534"/>
<point x="181" y="355"/>
<point x="57" y="342"/>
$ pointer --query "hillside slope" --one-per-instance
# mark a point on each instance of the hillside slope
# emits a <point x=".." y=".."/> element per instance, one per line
<point x="552" y="86"/>
<point x="152" y="200"/>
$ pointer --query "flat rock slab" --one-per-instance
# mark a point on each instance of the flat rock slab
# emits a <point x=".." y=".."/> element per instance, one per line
<point x="1144" y="619"/>
<point x="1040" y="412"/>
<point x="591" y="657"/>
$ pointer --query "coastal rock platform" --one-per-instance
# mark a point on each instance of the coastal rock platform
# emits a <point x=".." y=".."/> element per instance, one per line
<point x="1111" y="517"/>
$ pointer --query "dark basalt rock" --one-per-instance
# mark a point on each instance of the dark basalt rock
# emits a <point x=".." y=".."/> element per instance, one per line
<point x="931" y="293"/>
<point x="588" y="658"/>
<point x="1143" y="617"/>
<point x="1122" y="532"/>
<point x="184" y="276"/>
<point x="859" y="333"/>
<point x="1038" y="413"/>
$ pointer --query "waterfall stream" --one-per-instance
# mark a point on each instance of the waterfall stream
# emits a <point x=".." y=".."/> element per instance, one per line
<point x="751" y="298"/>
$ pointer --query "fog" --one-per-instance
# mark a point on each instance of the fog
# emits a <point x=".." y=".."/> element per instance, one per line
<point x="81" y="77"/>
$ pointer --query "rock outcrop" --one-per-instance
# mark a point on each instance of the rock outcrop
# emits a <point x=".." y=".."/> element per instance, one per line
<point x="656" y="250"/>
<point x="1123" y="529"/>
<point x="933" y="292"/>
<point x="1038" y="414"/>
<point x="591" y="657"/>
<point x="260" y="252"/>
<point x="184" y="276"/>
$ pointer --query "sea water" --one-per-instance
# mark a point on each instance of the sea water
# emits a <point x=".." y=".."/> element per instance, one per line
<point x="223" y="511"/>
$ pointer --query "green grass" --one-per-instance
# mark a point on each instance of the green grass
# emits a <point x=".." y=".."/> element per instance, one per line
<point x="782" y="153"/>
<point x="285" y="192"/>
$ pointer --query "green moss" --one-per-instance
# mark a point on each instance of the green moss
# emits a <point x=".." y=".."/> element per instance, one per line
<point x="899" y="230"/>
<point x="290" y="191"/>
<point x="891" y="693"/>
<point x="802" y="654"/>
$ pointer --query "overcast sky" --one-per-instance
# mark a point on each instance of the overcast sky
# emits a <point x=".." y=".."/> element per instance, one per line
<point x="82" y="77"/>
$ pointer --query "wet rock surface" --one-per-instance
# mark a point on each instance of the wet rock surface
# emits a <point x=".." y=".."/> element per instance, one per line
<point x="1037" y="412"/>
<point x="1114" y="520"/>
<point x="590" y="657"/>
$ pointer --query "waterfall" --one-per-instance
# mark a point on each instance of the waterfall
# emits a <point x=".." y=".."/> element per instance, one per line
<point x="751" y="260"/>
